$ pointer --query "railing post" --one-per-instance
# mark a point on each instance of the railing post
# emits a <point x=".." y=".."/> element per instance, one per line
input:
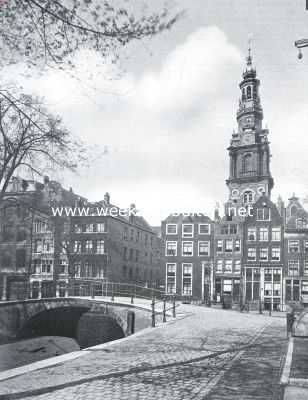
<point x="173" y="307"/>
<point x="164" y="311"/>
<point x="260" y="306"/>
<point x="153" y="313"/>
<point x="112" y="293"/>
<point x="270" y="308"/>
<point x="92" y="290"/>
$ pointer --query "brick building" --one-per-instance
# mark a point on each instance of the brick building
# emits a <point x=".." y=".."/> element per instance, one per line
<point x="263" y="255"/>
<point x="296" y="253"/>
<point x="188" y="255"/>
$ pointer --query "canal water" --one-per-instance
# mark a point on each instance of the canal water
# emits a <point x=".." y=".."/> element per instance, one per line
<point x="27" y="351"/>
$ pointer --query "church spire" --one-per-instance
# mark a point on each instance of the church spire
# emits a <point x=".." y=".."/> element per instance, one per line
<point x="249" y="58"/>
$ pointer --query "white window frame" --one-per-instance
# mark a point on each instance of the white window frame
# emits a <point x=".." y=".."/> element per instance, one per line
<point x="278" y="230"/>
<point x="222" y="246"/>
<point x="220" y="261"/>
<point x="228" y="262"/>
<point x="272" y="252"/>
<point x="209" y="229"/>
<point x="176" y="229"/>
<point x="265" y="249"/>
<point x="236" y="264"/>
<point x="305" y="267"/>
<point x="263" y="219"/>
<point x="228" y="249"/>
<point x="254" y="233"/>
<point x="190" y="234"/>
<point x="208" y="245"/>
<point x="176" y="248"/>
<point x="255" y="253"/>
<point x="263" y="229"/>
<point x="298" y="246"/>
<point x="100" y="241"/>
<point x="191" y="279"/>
<point x="239" y="248"/>
<point x="173" y="264"/>
<point x="192" y="248"/>
<point x="293" y="261"/>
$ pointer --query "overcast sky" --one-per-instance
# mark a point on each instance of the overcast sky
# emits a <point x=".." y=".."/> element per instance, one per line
<point x="168" y="121"/>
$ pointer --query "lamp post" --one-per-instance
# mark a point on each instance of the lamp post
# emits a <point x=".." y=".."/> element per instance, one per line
<point x="300" y="44"/>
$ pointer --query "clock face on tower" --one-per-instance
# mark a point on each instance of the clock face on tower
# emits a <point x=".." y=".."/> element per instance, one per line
<point x="248" y="138"/>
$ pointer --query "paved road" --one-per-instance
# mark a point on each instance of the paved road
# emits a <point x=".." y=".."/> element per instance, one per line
<point x="207" y="354"/>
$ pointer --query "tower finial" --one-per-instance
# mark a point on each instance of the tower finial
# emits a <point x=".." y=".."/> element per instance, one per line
<point x="249" y="58"/>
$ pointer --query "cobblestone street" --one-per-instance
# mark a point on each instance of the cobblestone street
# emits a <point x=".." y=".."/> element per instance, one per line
<point x="208" y="353"/>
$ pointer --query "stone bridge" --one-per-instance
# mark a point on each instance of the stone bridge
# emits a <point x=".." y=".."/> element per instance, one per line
<point x="89" y="321"/>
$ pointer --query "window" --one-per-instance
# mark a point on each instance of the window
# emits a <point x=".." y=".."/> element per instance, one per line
<point x="77" y="228"/>
<point x="204" y="229"/>
<point x="100" y="227"/>
<point x="237" y="267"/>
<point x="40" y="227"/>
<point x="89" y="228"/>
<point x="20" y="258"/>
<point x="247" y="167"/>
<point x="276" y="234"/>
<point x="203" y="248"/>
<point x="125" y="233"/>
<point x="146" y="239"/>
<point x="187" y="248"/>
<point x="237" y="246"/>
<point x="38" y="246"/>
<point x="171" y="229"/>
<point x="251" y="254"/>
<point x="306" y="246"/>
<point x="219" y="246"/>
<point x="77" y="266"/>
<point x="224" y="229"/>
<point x="171" y="248"/>
<point x="100" y="247"/>
<point x="276" y="253"/>
<point x="48" y="245"/>
<point x="227" y="286"/>
<point x="252" y="234"/>
<point x="263" y="234"/>
<point x="137" y="236"/>
<point x="304" y="288"/>
<point x="171" y="278"/>
<point x="263" y="214"/>
<point x="137" y="256"/>
<point x="268" y="288"/>
<point x="293" y="267"/>
<point x="248" y="92"/>
<point x="264" y="254"/>
<point x="305" y="267"/>
<point x="293" y="246"/>
<point x="63" y="267"/>
<point x="219" y="266"/>
<point x="132" y="234"/>
<point x="233" y="229"/>
<point x="301" y="223"/>
<point x="187" y="230"/>
<point x="228" y="246"/>
<point x="89" y="246"/>
<point x="292" y="290"/>
<point x="248" y="195"/>
<point x="228" y="266"/>
<point x="186" y="279"/>
<point x="46" y="266"/>
<point x="77" y="246"/>
<point x="131" y="253"/>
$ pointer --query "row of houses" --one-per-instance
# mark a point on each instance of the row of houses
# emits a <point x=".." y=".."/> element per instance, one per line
<point x="263" y="257"/>
<point x="42" y="252"/>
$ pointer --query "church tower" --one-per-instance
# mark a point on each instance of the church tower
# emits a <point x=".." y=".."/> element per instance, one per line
<point x="249" y="151"/>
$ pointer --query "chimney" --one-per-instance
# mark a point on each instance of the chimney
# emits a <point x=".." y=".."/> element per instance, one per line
<point x="132" y="209"/>
<point x="107" y="198"/>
